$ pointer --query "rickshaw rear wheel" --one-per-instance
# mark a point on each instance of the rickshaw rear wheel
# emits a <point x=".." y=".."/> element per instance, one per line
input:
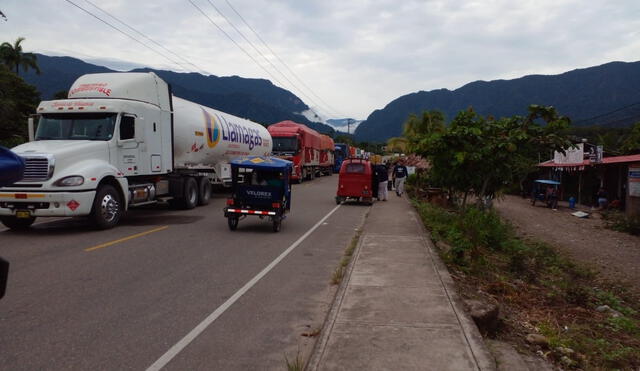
<point x="233" y="222"/>
<point x="277" y="222"/>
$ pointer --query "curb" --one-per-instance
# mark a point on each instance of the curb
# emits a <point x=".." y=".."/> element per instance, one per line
<point x="479" y="349"/>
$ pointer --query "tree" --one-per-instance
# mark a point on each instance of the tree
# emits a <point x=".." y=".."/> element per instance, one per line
<point x="343" y="138"/>
<point x="13" y="57"/>
<point x="17" y="100"/>
<point x="63" y="94"/>
<point x="416" y="129"/>
<point x="631" y="143"/>
<point x="480" y="156"/>
<point x="397" y="145"/>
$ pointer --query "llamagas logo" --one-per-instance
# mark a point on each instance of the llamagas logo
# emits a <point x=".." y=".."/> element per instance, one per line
<point x="218" y="128"/>
<point x="212" y="129"/>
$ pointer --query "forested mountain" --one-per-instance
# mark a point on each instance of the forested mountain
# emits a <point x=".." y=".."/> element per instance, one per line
<point x="255" y="99"/>
<point x="604" y="95"/>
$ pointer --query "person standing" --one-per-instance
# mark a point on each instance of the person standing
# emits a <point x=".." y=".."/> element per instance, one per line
<point x="399" y="176"/>
<point x="603" y="198"/>
<point x="382" y="174"/>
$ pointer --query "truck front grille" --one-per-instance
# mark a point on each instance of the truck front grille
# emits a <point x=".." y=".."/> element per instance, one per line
<point x="37" y="168"/>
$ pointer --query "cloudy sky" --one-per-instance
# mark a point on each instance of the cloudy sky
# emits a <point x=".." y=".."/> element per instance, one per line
<point x="355" y="55"/>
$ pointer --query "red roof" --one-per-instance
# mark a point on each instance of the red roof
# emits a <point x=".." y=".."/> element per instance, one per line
<point x="620" y="159"/>
<point x="606" y="160"/>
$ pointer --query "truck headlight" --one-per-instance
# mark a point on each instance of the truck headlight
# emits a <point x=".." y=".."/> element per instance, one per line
<point x="70" y="181"/>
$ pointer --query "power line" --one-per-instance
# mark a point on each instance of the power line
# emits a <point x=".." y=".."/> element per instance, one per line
<point x="260" y="53"/>
<point x="280" y="59"/>
<point x="235" y="42"/>
<point x="606" y="113"/>
<point x="198" y="68"/>
<point x="124" y="33"/>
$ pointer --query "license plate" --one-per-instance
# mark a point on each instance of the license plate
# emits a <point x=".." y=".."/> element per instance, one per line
<point x="23" y="214"/>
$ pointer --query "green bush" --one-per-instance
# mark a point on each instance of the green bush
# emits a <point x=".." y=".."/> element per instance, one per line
<point x="620" y="222"/>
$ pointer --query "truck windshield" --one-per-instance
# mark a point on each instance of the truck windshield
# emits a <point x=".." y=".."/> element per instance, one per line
<point x="285" y="144"/>
<point x="76" y="126"/>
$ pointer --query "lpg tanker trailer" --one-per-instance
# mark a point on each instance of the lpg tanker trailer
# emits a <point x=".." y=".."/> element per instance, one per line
<point x="122" y="140"/>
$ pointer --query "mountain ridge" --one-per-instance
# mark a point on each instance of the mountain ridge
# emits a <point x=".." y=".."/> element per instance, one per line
<point x="580" y="94"/>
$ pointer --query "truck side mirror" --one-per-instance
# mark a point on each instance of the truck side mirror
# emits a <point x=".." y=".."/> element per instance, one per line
<point x="32" y="127"/>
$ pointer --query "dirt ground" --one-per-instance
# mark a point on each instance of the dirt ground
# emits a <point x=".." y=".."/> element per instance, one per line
<point x="616" y="255"/>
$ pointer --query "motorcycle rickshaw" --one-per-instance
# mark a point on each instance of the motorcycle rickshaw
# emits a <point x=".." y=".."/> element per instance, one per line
<point x="540" y="193"/>
<point x="356" y="181"/>
<point x="260" y="186"/>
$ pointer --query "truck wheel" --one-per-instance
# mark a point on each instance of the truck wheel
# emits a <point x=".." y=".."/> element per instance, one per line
<point x="14" y="223"/>
<point x="338" y="200"/>
<point x="233" y="222"/>
<point x="107" y="208"/>
<point x="204" y="191"/>
<point x="190" y="196"/>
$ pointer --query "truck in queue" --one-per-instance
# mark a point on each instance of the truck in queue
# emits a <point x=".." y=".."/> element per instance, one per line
<point x="299" y="144"/>
<point x="122" y="140"/>
<point x="327" y="148"/>
<point x="341" y="153"/>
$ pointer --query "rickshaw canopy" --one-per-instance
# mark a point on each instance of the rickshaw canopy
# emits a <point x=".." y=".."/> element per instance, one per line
<point x="262" y="163"/>
<point x="546" y="181"/>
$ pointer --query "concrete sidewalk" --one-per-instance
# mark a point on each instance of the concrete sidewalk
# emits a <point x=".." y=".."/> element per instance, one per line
<point x="398" y="309"/>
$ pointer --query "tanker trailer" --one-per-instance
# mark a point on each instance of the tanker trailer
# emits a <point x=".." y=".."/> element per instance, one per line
<point x="122" y="140"/>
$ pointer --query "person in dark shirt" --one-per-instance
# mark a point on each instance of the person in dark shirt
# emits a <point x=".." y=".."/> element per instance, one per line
<point x="382" y="175"/>
<point x="399" y="176"/>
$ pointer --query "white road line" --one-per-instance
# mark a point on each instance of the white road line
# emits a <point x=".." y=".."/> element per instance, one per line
<point x="180" y="345"/>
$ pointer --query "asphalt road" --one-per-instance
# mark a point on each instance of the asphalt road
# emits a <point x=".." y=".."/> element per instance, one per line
<point x="121" y="299"/>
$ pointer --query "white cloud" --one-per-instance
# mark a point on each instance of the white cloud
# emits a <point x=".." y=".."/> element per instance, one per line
<point x="357" y="55"/>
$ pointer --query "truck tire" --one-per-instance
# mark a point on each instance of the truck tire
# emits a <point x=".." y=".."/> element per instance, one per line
<point x="204" y="191"/>
<point x="107" y="207"/>
<point x="190" y="196"/>
<point x="17" y="224"/>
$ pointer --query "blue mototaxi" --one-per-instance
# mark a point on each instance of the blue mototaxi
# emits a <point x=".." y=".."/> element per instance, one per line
<point x="260" y="186"/>
<point x="539" y="192"/>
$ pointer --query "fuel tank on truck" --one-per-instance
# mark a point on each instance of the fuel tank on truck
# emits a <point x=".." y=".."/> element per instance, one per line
<point x="204" y="137"/>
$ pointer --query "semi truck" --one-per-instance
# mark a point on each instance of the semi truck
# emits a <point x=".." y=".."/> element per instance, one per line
<point x="299" y="144"/>
<point x="327" y="148"/>
<point x="122" y="140"/>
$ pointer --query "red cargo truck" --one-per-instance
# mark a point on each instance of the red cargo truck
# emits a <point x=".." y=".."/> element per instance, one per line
<point x="327" y="147"/>
<point x="299" y="144"/>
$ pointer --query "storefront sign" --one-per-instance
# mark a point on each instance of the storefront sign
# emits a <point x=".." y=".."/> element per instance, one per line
<point x="634" y="181"/>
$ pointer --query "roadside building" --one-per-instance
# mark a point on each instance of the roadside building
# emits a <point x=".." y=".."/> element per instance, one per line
<point x="582" y="175"/>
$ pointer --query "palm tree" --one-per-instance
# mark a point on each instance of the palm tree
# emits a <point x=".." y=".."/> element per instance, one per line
<point x="397" y="144"/>
<point x="13" y="57"/>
